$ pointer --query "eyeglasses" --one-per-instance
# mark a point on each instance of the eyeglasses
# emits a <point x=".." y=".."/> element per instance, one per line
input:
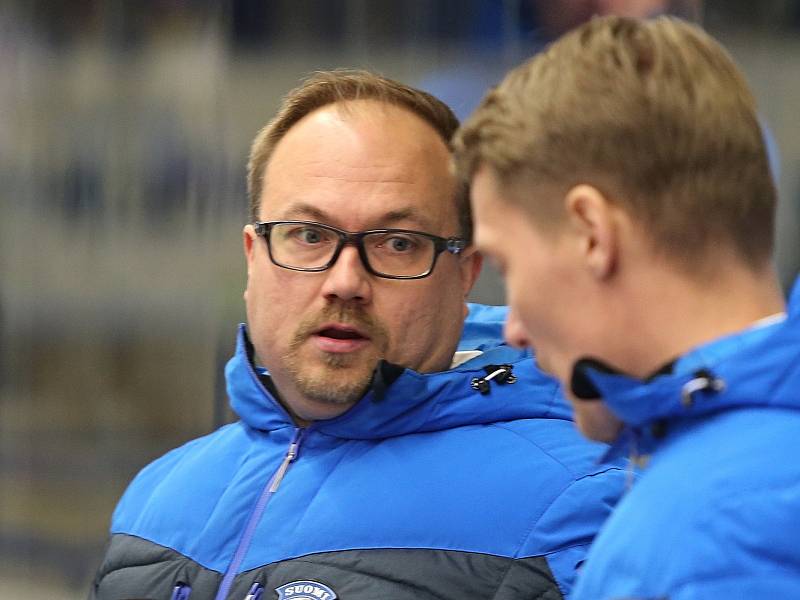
<point x="388" y="253"/>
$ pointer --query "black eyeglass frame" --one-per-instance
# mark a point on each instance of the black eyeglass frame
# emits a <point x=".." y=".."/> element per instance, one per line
<point x="453" y="245"/>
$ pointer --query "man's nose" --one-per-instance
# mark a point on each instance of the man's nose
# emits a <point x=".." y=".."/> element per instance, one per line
<point x="514" y="331"/>
<point x="348" y="278"/>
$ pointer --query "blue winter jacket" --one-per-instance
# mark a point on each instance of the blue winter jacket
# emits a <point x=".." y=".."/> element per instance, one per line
<point x="716" y="512"/>
<point x="426" y="489"/>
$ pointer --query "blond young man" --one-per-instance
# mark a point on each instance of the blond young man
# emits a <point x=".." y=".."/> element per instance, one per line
<point x="620" y="181"/>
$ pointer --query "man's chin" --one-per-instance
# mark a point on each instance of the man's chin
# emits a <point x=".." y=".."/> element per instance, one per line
<point x="308" y="410"/>
<point x="543" y="363"/>
<point x="328" y="383"/>
<point x="337" y="380"/>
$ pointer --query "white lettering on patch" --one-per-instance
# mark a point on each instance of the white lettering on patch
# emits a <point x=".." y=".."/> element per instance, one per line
<point x="305" y="590"/>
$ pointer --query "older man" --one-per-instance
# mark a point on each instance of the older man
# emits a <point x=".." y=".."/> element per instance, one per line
<point x="621" y="182"/>
<point x="372" y="459"/>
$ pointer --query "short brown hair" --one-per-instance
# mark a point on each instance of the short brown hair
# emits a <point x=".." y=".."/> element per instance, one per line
<point x="333" y="87"/>
<point x="654" y="114"/>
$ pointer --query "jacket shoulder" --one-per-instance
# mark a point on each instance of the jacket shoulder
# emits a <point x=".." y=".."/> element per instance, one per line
<point x="729" y="486"/>
<point x="587" y="492"/>
<point x="162" y="476"/>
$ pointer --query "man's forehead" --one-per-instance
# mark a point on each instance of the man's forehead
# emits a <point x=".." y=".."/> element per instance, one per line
<point x="393" y="166"/>
<point x="406" y="216"/>
<point x="388" y="128"/>
<point x="486" y="194"/>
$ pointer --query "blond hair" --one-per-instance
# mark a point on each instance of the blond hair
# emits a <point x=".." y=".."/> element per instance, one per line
<point x="341" y="86"/>
<point x="654" y="114"/>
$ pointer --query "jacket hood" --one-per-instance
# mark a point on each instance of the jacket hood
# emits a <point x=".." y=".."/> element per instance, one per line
<point x="759" y="366"/>
<point x="402" y="401"/>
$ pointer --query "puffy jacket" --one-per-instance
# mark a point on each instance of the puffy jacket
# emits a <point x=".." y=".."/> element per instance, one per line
<point x="716" y="511"/>
<point x="425" y="489"/>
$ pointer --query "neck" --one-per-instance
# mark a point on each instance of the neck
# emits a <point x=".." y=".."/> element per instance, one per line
<point x="668" y="314"/>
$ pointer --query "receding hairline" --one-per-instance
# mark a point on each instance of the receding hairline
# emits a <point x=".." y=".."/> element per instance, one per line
<point x="354" y="111"/>
<point x="342" y="88"/>
<point x="414" y="138"/>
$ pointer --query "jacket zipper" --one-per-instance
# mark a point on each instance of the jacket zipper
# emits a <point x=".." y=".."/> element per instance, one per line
<point x="181" y="591"/>
<point x="258" y="511"/>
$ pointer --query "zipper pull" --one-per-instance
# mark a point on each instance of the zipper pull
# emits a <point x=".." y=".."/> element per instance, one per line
<point x="255" y="593"/>
<point x="181" y="591"/>
<point x="291" y="454"/>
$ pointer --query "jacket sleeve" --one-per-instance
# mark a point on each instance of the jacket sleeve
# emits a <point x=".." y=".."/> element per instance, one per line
<point x="566" y="529"/>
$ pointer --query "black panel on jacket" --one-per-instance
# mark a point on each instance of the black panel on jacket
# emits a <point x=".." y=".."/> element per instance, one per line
<point x="135" y="569"/>
<point x="391" y="574"/>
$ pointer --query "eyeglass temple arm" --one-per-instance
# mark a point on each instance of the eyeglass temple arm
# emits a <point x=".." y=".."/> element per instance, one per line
<point x="455" y="245"/>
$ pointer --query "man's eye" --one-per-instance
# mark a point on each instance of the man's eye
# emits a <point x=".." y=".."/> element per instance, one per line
<point x="308" y="235"/>
<point x="400" y="244"/>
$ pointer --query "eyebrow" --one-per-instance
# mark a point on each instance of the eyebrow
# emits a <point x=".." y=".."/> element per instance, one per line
<point x="304" y="210"/>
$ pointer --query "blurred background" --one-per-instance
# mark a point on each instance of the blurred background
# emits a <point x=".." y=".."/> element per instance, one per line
<point x="124" y="131"/>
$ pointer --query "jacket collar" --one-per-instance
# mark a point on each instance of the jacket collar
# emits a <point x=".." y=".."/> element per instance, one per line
<point x="403" y="401"/>
<point x="759" y="366"/>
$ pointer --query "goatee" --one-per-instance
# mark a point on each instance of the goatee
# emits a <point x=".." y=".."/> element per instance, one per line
<point x="336" y="378"/>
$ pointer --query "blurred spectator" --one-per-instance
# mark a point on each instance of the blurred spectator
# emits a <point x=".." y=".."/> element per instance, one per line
<point x="527" y="26"/>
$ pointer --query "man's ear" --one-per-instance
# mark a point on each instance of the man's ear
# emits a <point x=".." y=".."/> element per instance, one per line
<point x="593" y="221"/>
<point x="471" y="263"/>
<point x="248" y="240"/>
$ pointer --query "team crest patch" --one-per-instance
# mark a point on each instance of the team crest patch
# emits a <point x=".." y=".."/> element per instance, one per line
<point x="305" y="590"/>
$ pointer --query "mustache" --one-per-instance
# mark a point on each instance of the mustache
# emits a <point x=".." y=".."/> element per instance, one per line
<point x="347" y="314"/>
